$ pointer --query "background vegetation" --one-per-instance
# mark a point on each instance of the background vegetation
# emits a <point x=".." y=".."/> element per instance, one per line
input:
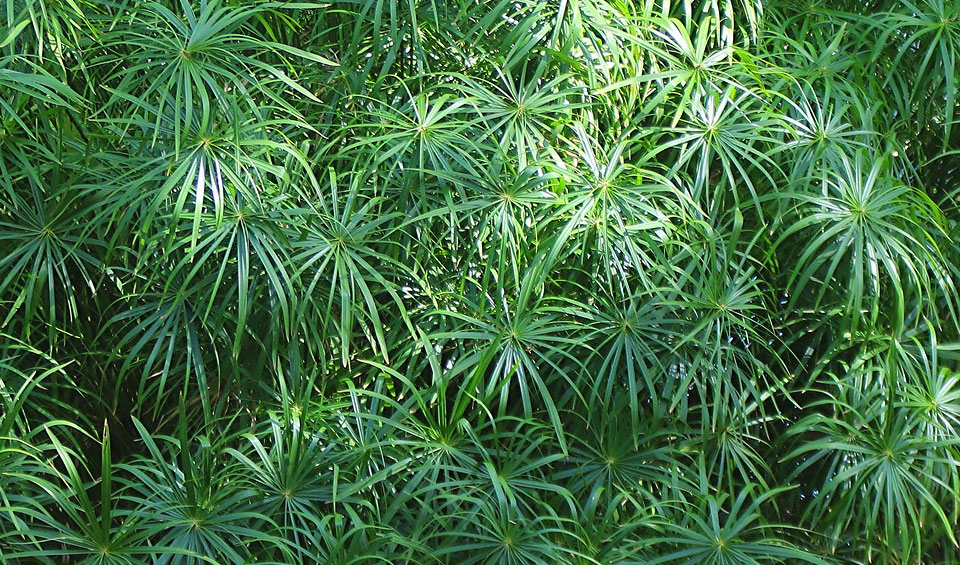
<point x="444" y="281"/>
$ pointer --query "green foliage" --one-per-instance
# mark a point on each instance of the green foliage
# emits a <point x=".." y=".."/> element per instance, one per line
<point x="479" y="282"/>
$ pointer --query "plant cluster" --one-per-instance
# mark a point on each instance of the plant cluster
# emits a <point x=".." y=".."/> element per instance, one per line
<point x="446" y="281"/>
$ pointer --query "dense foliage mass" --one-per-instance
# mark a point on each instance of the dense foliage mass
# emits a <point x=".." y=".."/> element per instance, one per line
<point x="446" y="281"/>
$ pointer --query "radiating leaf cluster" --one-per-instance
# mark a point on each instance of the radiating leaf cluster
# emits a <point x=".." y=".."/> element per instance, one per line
<point x="381" y="281"/>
